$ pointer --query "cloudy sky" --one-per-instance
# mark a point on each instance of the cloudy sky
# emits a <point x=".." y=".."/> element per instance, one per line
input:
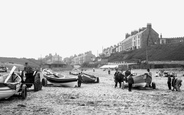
<point x="35" y="28"/>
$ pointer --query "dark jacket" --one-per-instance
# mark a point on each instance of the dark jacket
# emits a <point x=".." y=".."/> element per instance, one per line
<point x="28" y="69"/>
<point x="117" y="76"/>
<point x="169" y="79"/>
<point x="173" y="81"/>
<point x="80" y="78"/>
<point x="130" y="80"/>
<point x="127" y="73"/>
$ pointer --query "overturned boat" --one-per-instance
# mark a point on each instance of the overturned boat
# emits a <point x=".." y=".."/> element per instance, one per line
<point x="58" y="80"/>
<point x="141" y="81"/>
<point x="87" y="78"/>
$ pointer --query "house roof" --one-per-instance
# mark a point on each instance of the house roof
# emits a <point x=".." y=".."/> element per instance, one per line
<point x="134" y="35"/>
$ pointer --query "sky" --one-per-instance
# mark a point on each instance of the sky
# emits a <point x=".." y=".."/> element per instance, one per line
<point x="35" y="28"/>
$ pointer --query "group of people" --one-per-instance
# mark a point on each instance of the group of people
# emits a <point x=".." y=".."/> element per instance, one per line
<point x="173" y="82"/>
<point x="120" y="78"/>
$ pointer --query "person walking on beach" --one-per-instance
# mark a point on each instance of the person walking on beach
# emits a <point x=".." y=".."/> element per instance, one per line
<point x="130" y="82"/>
<point x="79" y="80"/>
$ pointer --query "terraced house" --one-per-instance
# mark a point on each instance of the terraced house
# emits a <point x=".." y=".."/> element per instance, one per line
<point x="137" y="39"/>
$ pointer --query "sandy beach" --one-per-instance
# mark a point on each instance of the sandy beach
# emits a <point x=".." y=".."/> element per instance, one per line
<point x="98" y="99"/>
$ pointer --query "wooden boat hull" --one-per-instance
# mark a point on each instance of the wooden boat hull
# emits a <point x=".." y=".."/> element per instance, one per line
<point x="67" y="82"/>
<point x="10" y="84"/>
<point x="6" y="92"/>
<point x="86" y="78"/>
<point x="139" y="80"/>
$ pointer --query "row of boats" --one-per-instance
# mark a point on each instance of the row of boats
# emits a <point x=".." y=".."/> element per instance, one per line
<point x="62" y="80"/>
<point x="12" y="83"/>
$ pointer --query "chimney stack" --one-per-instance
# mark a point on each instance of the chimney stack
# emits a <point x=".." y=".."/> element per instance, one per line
<point x="149" y="25"/>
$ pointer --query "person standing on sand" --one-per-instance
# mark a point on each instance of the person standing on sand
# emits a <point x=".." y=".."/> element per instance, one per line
<point x="130" y="82"/>
<point x="28" y="70"/>
<point x="109" y="71"/>
<point x="123" y="79"/>
<point x="169" y="81"/>
<point x="117" y="78"/>
<point x="173" y="83"/>
<point x="148" y="78"/>
<point x="127" y="73"/>
<point x="178" y="84"/>
<point x="79" y="80"/>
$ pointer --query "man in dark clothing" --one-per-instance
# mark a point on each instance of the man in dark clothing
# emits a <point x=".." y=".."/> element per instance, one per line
<point x="117" y="78"/>
<point x="130" y="82"/>
<point x="169" y="81"/>
<point x="174" y="83"/>
<point x="79" y="80"/>
<point x="28" y="68"/>
<point x="127" y="73"/>
<point x="28" y="73"/>
<point x="109" y="71"/>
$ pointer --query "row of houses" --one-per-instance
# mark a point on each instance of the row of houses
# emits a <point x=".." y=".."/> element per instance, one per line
<point x="141" y="38"/>
<point x="82" y="58"/>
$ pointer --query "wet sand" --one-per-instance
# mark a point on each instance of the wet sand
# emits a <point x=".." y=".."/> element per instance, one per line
<point x="99" y="98"/>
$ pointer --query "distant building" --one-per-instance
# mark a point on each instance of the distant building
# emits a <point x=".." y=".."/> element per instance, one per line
<point x="54" y="61"/>
<point x="171" y="40"/>
<point x="136" y="40"/>
<point x="81" y="58"/>
<point x="140" y="39"/>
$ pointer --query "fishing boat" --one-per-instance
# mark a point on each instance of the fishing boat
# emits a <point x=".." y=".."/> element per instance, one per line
<point x="141" y="80"/>
<point x="87" y="78"/>
<point x="75" y="72"/>
<point x="10" y="84"/>
<point x="59" y="80"/>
